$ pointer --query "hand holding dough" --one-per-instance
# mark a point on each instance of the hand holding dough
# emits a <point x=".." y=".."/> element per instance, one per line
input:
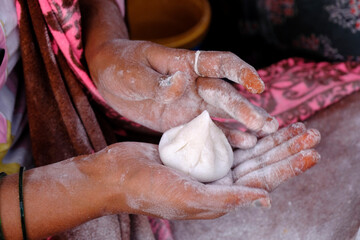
<point x="198" y="148"/>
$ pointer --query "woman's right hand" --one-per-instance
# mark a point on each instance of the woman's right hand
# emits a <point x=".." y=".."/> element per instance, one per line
<point x="137" y="182"/>
<point x="129" y="177"/>
<point x="277" y="157"/>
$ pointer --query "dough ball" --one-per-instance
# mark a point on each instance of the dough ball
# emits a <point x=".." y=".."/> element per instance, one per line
<point x="198" y="148"/>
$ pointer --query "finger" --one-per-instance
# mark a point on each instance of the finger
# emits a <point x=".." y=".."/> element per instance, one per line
<point x="270" y="177"/>
<point x="271" y="125"/>
<point x="140" y="82"/>
<point x="238" y="138"/>
<point x="227" y="180"/>
<point x="269" y="142"/>
<point x="170" y="60"/>
<point x="307" y="140"/>
<point x="222" y="95"/>
<point x="227" y="65"/>
<point x="206" y="64"/>
<point x="170" y="88"/>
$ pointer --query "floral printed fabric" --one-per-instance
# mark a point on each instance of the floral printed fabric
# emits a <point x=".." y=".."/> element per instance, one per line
<point x="63" y="20"/>
<point x="328" y="30"/>
<point x="280" y="10"/>
<point x="345" y="13"/>
<point x="296" y="89"/>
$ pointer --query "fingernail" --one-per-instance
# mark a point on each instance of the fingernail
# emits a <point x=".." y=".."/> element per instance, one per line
<point x="252" y="81"/>
<point x="262" y="202"/>
<point x="270" y="126"/>
<point x="315" y="133"/>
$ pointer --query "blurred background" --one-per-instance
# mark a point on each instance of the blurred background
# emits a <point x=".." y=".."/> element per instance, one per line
<point x="203" y="24"/>
<point x="259" y="31"/>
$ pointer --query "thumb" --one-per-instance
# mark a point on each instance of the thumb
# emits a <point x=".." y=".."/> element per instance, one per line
<point x="222" y="198"/>
<point x="170" y="88"/>
<point x="140" y="82"/>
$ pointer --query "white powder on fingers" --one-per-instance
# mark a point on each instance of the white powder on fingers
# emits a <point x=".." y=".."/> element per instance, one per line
<point x="267" y="143"/>
<point x="238" y="107"/>
<point x="261" y="147"/>
<point x="270" y="126"/>
<point x="247" y="141"/>
<point x="165" y="82"/>
<point x="227" y="180"/>
<point x="279" y="153"/>
<point x="271" y="176"/>
<point x="198" y="148"/>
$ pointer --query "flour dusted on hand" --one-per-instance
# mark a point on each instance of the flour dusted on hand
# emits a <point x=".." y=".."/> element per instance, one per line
<point x="198" y="148"/>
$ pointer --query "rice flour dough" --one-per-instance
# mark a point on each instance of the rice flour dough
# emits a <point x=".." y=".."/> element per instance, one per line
<point x="198" y="148"/>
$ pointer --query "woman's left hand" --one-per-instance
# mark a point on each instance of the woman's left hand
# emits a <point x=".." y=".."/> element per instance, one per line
<point x="160" y="87"/>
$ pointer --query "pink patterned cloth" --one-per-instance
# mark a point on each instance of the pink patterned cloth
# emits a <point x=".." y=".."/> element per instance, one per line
<point x="161" y="228"/>
<point x="63" y="19"/>
<point x="296" y="89"/>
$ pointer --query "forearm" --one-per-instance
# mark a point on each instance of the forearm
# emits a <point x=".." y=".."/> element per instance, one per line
<point x="101" y="22"/>
<point x="57" y="197"/>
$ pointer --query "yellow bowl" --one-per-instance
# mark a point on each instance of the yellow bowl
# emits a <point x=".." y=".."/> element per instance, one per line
<point x="173" y="23"/>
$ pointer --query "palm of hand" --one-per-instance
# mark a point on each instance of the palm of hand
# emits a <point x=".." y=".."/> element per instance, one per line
<point x="145" y="186"/>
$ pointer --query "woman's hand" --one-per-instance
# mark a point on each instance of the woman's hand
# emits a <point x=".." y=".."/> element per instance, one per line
<point x="137" y="182"/>
<point x="122" y="178"/>
<point x="161" y="88"/>
<point x="129" y="177"/>
<point x="276" y="158"/>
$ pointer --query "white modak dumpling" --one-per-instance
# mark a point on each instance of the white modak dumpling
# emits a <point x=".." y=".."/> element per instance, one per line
<point x="198" y="148"/>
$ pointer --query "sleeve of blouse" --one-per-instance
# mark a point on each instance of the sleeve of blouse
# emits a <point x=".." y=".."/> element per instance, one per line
<point x="63" y="19"/>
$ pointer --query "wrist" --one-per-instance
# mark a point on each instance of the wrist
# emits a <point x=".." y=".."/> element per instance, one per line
<point x="101" y="22"/>
<point x="114" y="176"/>
<point x="94" y="189"/>
<point x="57" y="197"/>
<point x="104" y="55"/>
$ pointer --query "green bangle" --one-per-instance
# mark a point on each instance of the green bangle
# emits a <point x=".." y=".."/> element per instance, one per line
<point x="2" y="174"/>
<point x="21" y="200"/>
